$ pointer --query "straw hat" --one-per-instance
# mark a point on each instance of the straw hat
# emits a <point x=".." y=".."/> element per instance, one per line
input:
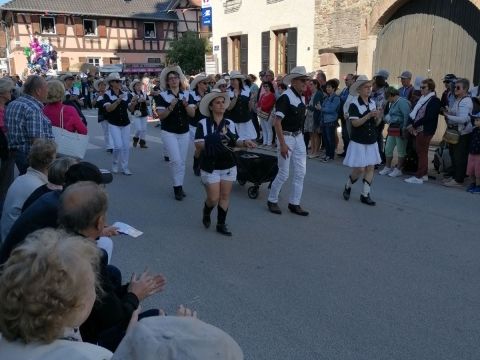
<point x="66" y="76"/>
<point x="208" y="98"/>
<point x="97" y="82"/>
<point x="236" y="75"/>
<point x="114" y="76"/>
<point x="167" y="70"/>
<point x="361" y="80"/>
<point x="132" y="84"/>
<point x="220" y="82"/>
<point x="298" y="72"/>
<point x="197" y="79"/>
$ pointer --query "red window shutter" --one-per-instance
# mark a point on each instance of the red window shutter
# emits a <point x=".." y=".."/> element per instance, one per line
<point x="78" y="26"/>
<point x="102" y="29"/>
<point x="60" y="25"/>
<point x="159" y="30"/>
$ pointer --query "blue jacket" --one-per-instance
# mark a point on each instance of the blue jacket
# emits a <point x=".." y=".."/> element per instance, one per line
<point x="330" y="107"/>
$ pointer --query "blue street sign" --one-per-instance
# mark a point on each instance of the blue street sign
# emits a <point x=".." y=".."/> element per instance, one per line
<point x="207" y="16"/>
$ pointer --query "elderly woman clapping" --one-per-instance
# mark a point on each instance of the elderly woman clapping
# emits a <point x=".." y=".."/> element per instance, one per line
<point x="48" y="288"/>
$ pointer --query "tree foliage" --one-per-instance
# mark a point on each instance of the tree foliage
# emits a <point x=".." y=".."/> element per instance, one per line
<point x="188" y="51"/>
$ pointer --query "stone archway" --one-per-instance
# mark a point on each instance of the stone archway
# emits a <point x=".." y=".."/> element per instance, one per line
<point x="383" y="11"/>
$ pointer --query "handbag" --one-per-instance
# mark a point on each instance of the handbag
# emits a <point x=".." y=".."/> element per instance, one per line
<point x="263" y="114"/>
<point x="451" y="136"/>
<point x="69" y="143"/>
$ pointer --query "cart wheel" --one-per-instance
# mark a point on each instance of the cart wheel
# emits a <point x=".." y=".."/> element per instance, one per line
<point x="253" y="192"/>
<point x="242" y="182"/>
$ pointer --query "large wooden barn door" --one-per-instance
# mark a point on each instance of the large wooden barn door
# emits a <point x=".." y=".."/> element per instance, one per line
<point x="431" y="38"/>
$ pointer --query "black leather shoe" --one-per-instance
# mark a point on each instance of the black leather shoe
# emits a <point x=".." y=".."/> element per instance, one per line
<point x="346" y="193"/>
<point x="222" y="229"/>
<point x="206" y="220"/>
<point x="273" y="207"/>
<point x="166" y="158"/>
<point x="297" y="209"/>
<point x="367" y="200"/>
<point x="177" y="190"/>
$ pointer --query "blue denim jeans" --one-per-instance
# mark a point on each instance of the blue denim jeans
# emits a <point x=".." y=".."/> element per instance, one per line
<point x="328" y="136"/>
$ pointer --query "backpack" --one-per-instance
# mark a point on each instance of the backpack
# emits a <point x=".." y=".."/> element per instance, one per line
<point x="442" y="162"/>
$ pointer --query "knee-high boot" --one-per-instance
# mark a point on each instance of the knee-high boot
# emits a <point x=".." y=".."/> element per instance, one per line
<point x="207" y="210"/>
<point x="221" y="217"/>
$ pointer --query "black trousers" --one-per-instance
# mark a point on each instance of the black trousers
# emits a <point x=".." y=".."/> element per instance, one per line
<point x="460" y="158"/>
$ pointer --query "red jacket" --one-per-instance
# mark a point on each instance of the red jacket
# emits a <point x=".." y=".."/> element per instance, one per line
<point x="71" y="120"/>
<point x="266" y="102"/>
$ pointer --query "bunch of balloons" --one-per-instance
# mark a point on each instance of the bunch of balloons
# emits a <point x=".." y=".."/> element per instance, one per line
<point x="40" y="55"/>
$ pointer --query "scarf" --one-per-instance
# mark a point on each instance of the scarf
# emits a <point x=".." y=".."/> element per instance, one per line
<point x="421" y="102"/>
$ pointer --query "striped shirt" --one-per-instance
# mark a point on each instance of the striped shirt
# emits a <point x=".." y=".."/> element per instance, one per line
<point x="26" y="122"/>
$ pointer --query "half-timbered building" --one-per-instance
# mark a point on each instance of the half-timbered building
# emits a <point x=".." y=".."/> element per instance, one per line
<point x="135" y="33"/>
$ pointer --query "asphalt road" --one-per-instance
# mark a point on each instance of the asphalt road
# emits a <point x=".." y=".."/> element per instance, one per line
<point x="395" y="281"/>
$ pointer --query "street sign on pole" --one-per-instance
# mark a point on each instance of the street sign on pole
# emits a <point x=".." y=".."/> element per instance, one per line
<point x="207" y="16"/>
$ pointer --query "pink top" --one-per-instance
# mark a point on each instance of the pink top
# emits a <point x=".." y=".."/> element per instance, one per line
<point x="71" y="120"/>
<point x="2" y="120"/>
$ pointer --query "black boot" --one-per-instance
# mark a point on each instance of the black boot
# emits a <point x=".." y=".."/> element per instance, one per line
<point x="221" y="217"/>
<point x="177" y="190"/>
<point x="135" y="141"/>
<point x="365" y="199"/>
<point x="207" y="210"/>
<point x="196" y="166"/>
<point x="348" y="188"/>
<point x="143" y="144"/>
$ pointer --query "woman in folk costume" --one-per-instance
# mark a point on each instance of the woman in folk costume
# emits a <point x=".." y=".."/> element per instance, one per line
<point x="100" y="87"/>
<point x="239" y="109"/>
<point x="362" y="153"/>
<point x="138" y="109"/>
<point x="198" y="89"/>
<point x="172" y="104"/>
<point x="215" y="138"/>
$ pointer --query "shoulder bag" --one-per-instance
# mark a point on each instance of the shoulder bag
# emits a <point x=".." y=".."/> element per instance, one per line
<point x="69" y="143"/>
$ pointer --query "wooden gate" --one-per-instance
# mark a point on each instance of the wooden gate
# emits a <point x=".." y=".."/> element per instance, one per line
<point x="431" y="38"/>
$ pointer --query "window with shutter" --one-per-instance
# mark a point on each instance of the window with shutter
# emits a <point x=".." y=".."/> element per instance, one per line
<point x="224" y="49"/>
<point x="291" y="48"/>
<point x="244" y="54"/>
<point x="265" y="50"/>
<point x="47" y="25"/>
<point x="90" y="27"/>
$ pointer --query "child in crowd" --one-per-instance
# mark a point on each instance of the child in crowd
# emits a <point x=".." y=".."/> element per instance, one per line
<point x="473" y="166"/>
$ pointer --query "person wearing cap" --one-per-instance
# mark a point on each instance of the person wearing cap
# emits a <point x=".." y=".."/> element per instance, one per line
<point x="406" y="91"/>
<point x="43" y="212"/>
<point x="172" y="107"/>
<point x="362" y="153"/>
<point x="100" y="87"/>
<point x="164" y="337"/>
<point x="448" y="95"/>
<point x="239" y="109"/>
<point x="215" y="138"/>
<point x="289" y="118"/>
<point x="115" y="101"/>
<point x="7" y="162"/>
<point x="138" y="108"/>
<point x="198" y="89"/>
<point x="26" y="121"/>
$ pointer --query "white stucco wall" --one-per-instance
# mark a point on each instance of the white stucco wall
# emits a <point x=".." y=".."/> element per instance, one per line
<point x="256" y="16"/>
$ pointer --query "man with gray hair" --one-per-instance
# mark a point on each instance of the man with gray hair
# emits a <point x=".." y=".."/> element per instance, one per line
<point x="26" y="122"/>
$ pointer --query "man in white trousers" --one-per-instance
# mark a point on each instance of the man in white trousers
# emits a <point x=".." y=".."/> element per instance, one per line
<point x="289" y="119"/>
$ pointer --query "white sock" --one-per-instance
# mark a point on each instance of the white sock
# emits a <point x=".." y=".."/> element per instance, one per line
<point x="366" y="188"/>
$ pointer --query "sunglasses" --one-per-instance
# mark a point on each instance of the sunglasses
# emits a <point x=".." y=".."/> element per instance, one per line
<point x="115" y="81"/>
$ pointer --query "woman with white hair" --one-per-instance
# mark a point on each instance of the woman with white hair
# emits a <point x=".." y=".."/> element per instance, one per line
<point x="172" y="104"/>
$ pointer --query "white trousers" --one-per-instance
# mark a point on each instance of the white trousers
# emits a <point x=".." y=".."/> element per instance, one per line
<point x="121" y="145"/>
<point x="106" y="135"/>
<point x="192" y="130"/>
<point x="246" y="131"/>
<point x="267" y="131"/>
<point x="298" y="156"/>
<point x="140" y="124"/>
<point x="177" y="148"/>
